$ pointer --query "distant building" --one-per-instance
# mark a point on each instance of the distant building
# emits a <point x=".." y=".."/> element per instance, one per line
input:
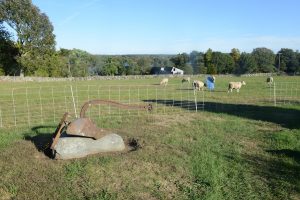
<point x="165" y="70"/>
<point x="176" y="71"/>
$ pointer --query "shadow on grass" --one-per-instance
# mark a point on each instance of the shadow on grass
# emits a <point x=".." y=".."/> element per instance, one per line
<point x="282" y="176"/>
<point x="41" y="140"/>
<point x="288" y="153"/>
<point x="286" y="117"/>
<point x="185" y="89"/>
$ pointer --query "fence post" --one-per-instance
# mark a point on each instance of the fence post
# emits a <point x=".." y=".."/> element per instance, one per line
<point x="14" y="107"/>
<point x="203" y="104"/>
<point x="74" y="105"/>
<point x="99" y="108"/>
<point x="181" y="97"/>
<point x="53" y="104"/>
<point x="65" y="99"/>
<point x="274" y="94"/>
<point x="88" y="91"/>
<point x="28" y="110"/>
<point x="109" y="100"/>
<point x="129" y="99"/>
<point x="156" y="100"/>
<point x="42" y="120"/>
<point x="138" y="101"/>
<point x="119" y="100"/>
<point x="195" y="97"/>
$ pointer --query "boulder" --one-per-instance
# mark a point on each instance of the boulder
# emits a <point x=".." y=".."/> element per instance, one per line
<point x="77" y="147"/>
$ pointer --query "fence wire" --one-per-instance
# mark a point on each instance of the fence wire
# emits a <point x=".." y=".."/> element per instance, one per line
<point x="31" y="106"/>
<point x="39" y="105"/>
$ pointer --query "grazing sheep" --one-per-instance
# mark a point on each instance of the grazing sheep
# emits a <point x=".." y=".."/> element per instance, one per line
<point x="198" y="85"/>
<point x="235" y="85"/>
<point x="213" y="78"/>
<point x="164" y="81"/>
<point x="187" y="79"/>
<point x="270" y="80"/>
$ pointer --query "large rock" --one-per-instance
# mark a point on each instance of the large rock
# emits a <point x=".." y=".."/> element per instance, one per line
<point x="77" y="147"/>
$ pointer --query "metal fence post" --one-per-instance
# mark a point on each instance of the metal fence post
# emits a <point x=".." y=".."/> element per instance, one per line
<point x="274" y="94"/>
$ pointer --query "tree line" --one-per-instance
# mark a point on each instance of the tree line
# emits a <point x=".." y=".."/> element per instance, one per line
<point x="27" y="46"/>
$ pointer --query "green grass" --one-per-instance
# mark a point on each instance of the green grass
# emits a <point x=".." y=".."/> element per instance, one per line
<point x="231" y="150"/>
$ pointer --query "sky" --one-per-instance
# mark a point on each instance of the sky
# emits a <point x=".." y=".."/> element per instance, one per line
<point x="117" y="27"/>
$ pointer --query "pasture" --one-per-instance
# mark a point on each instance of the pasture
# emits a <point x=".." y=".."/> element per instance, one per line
<point x="203" y="145"/>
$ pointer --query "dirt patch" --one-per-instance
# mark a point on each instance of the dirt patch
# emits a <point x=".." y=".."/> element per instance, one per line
<point x="5" y="195"/>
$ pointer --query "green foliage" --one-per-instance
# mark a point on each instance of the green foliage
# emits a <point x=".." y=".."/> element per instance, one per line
<point x="246" y="64"/>
<point x="187" y="68"/>
<point x="224" y="63"/>
<point x="265" y="59"/>
<point x="298" y="59"/>
<point x="288" y="60"/>
<point x="8" y="52"/>
<point x="197" y="62"/>
<point x="211" y="69"/>
<point x="79" y="62"/>
<point x="110" y="67"/>
<point x="34" y="33"/>
<point x="235" y="53"/>
<point x="145" y="65"/>
<point x="180" y="60"/>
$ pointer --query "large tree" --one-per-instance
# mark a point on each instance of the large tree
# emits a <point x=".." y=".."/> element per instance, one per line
<point x="235" y="53"/>
<point x="8" y="52"/>
<point x="288" y="60"/>
<point x="265" y="59"/>
<point x="145" y="64"/>
<point x="197" y="62"/>
<point x="211" y="69"/>
<point x="246" y="64"/>
<point x="223" y="62"/>
<point x="79" y="63"/>
<point x="33" y="31"/>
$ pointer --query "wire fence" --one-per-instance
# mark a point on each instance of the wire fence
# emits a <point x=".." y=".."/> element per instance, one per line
<point x="31" y="106"/>
<point x="286" y="93"/>
<point x="39" y="105"/>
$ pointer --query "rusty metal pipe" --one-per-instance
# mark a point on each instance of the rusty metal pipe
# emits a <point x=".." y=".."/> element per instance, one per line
<point x="113" y="103"/>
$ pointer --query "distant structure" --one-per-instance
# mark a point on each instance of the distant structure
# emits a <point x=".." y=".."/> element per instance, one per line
<point x="176" y="71"/>
<point x="166" y="70"/>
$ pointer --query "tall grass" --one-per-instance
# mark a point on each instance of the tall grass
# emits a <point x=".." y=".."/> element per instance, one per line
<point x="231" y="150"/>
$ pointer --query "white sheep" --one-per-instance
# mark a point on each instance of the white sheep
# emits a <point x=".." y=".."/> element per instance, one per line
<point x="214" y="78"/>
<point x="235" y="85"/>
<point x="270" y="80"/>
<point x="186" y="79"/>
<point x="198" y="85"/>
<point x="164" y="81"/>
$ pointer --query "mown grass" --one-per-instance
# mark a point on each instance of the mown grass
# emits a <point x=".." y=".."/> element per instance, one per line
<point x="227" y="151"/>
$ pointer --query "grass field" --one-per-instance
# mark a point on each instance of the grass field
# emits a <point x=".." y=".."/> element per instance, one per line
<point x="240" y="146"/>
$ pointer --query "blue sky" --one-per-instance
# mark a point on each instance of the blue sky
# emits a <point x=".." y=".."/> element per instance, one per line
<point x="173" y="26"/>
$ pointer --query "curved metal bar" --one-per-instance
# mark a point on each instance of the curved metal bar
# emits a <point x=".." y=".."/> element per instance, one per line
<point x="113" y="103"/>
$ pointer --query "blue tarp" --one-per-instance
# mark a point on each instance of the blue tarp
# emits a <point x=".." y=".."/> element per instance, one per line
<point x="210" y="84"/>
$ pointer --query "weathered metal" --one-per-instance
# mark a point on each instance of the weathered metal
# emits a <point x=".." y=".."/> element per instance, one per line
<point x="84" y="126"/>
<point x="113" y="103"/>
<point x="63" y="122"/>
